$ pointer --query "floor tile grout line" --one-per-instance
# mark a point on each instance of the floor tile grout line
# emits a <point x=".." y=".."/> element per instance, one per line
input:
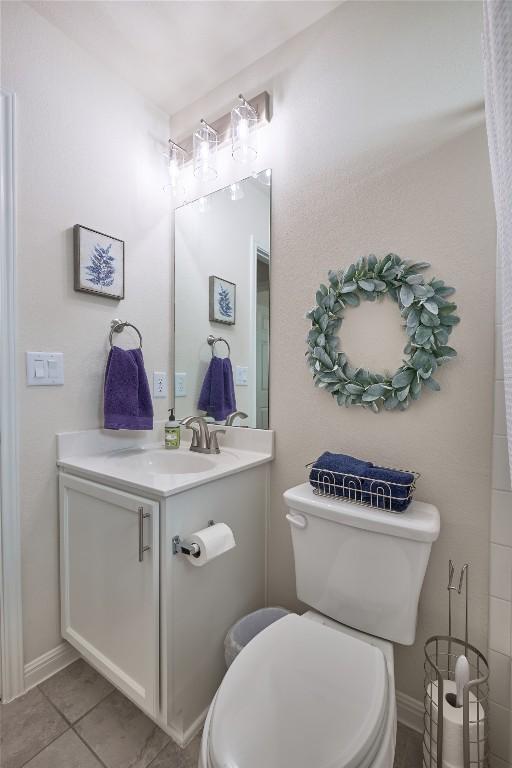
<point x="82" y="717"/>
<point x="91" y="750"/>
<point x="68" y="727"/>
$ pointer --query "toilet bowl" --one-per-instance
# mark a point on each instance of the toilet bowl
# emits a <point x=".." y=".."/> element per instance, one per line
<point x="318" y="690"/>
<point x="305" y="693"/>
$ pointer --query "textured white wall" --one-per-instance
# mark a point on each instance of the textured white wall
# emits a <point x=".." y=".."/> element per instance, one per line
<point x="88" y="152"/>
<point x="378" y="144"/>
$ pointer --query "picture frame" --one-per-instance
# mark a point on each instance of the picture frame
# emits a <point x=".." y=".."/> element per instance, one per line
<point x="222" y="300"/>
<point x="98" y="263"/>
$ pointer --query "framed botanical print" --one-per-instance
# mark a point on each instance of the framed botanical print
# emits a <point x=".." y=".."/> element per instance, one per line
<point x="222" y="301"/>
<point x="99" y="263"/>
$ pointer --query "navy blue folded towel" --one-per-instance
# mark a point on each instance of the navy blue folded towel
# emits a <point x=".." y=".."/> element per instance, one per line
<point x="382" y="483"/>
<point x="331" y="473"/>
<point x="379" y="486"/>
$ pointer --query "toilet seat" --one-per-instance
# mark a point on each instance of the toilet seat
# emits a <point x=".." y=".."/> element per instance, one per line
<point x="300" y="694"/>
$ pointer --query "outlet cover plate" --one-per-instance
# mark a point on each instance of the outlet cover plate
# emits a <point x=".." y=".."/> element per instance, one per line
<point x="180" y="385"/>
<point x="160" y="384"/>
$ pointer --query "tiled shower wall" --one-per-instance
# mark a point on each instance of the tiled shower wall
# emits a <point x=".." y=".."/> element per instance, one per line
<point x="500" y="600"/>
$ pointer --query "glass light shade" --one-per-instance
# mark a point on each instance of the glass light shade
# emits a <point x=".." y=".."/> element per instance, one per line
<point x="244" y="119"/>
<point x="236" y="192"/>
<point x="205" y="142"/>
<point x="176" y="163"/>
<point x="204" y="204"/>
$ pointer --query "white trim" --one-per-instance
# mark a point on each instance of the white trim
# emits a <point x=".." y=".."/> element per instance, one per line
<point x="48" y="664"/>
<point x="11" y="629"/>
<point x="253" y="268"/>
<point x="409" y="711"/>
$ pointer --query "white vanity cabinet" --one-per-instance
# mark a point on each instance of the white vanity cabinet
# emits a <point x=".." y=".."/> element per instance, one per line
<point x="145" y="617"/>
<point x="109" y="544"/>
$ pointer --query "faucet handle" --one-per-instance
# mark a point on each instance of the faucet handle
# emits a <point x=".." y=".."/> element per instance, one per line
<point x="214" y="440"/>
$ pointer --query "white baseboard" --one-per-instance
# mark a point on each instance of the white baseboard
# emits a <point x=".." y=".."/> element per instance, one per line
<point x="48" y="664"/>
<point x="409" y="711"/>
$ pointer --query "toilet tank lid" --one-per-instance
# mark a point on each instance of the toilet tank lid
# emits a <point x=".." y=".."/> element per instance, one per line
<point x="420" y="522"/>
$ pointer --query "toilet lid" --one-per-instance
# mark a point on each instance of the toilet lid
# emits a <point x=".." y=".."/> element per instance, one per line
<point x="301" y="694"/>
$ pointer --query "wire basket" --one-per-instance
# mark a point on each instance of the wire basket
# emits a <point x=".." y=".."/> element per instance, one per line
<point x="441" y="652"/>
<point x="379" y="494"/>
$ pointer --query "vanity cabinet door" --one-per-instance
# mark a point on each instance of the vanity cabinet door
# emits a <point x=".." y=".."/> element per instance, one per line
<point x="109" y="550"/>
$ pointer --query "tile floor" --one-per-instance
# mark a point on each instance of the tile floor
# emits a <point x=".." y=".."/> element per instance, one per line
<point x="76" y="719"/>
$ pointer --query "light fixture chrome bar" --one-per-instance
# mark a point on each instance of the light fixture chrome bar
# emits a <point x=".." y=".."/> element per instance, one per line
<point x="175" y="144"/>
<point x="222" y="126"/>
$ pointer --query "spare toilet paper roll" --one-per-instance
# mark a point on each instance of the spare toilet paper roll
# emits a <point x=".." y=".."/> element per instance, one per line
<point x="212" y="541"/>
<point x="453" y="744"/>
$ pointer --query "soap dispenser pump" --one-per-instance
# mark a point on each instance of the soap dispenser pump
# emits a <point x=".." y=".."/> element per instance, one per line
<point x="172" y="431"/>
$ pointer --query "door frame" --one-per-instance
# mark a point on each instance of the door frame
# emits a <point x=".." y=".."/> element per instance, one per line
<point x="11" y="624"/>
<point x="255" y="248"/>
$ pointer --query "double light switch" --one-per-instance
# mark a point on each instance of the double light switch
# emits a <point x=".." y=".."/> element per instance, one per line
<point x="45" y="368"/>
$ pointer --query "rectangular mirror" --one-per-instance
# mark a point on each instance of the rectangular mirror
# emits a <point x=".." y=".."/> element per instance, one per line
<point x="222" y="303"/>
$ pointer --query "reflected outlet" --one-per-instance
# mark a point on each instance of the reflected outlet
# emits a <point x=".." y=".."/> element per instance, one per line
<point x="180" y="385"/>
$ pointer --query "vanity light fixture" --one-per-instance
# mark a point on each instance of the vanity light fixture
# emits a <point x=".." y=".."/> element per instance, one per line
<point x="205" y="143"/>
<point x="176" y="158"/>
<point x="244" y="119"/>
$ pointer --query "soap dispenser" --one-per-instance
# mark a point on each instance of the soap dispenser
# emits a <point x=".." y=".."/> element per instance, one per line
<point x="172" y="431"/>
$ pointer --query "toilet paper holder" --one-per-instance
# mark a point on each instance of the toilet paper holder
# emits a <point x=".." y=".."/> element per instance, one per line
<point x="180" y="546"/>
<point x="466" y="742"/>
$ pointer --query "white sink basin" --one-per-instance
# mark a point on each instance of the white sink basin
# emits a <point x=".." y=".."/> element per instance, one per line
<point x="162" y="462"/>
<point x="150" y="468"/>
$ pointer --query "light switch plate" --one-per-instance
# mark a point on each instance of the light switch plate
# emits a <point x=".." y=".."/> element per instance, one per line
<point x="242" y="376"/>
<point x="45" y="369"/>
<point x="180" y="385"/>
<point x="160" y="384"/>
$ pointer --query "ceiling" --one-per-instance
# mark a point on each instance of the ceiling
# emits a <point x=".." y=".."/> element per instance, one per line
<point x="176" y="52"/>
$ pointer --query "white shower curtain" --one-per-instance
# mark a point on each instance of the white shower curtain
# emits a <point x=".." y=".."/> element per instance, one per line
<point x="497" y="46"/>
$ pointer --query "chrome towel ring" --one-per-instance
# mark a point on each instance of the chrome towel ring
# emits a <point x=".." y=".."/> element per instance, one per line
<point x="212" y="341"/>
<point x="116" y="326"/>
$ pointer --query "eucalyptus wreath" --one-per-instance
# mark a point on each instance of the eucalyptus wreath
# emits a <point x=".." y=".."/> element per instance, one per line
<point x="428" y="319"/>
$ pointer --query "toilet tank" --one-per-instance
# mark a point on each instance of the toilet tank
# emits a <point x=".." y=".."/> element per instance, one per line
<point x="362" y="567"/>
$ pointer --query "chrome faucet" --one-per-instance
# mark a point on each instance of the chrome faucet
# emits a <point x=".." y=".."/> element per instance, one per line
<point x="203" y="441"/>
<point x="232" y="416"/>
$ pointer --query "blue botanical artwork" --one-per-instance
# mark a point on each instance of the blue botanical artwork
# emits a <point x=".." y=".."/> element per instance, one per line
<point x="99" y="263"/>
<point x="101" y="269"/>
<point x="222" y="300"/>
<point x="225" y="308"/>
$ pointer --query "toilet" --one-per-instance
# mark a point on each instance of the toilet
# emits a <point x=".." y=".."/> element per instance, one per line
<point x="317" y="690"/>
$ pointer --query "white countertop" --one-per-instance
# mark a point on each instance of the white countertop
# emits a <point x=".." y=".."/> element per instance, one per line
<point x="141" y="464"/>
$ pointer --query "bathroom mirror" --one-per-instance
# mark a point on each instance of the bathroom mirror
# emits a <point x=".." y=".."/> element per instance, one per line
<point x="221" y="303"/>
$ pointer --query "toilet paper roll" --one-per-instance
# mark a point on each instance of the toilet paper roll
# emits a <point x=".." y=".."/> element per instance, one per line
<point x="212" y="541"/>
<point x="453" y="744"/>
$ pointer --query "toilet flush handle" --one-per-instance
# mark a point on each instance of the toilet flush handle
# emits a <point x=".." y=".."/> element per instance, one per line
<point x="298" y="521"/>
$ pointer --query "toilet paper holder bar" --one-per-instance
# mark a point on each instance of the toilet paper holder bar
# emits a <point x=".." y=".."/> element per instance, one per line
<point x="180" y="546"/>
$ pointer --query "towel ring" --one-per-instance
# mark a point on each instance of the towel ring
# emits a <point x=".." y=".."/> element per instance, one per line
<point x="212" y="341"/>
<point x="117" y="326"/>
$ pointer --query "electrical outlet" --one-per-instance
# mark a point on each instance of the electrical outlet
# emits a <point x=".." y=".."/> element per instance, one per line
<point x="160" y="384"/>
<point x="180" y="385"/>
<point x="242" y="376"/>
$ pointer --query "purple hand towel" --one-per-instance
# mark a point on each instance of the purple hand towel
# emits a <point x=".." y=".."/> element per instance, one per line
<point x="127" y="399"/>
<point x="217" y="396"/>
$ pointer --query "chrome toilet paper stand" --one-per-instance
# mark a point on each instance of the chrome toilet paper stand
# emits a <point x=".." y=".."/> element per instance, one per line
<point x="441" y="653"/>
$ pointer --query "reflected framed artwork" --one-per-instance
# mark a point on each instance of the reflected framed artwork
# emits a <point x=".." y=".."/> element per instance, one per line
<point x="222" y="301"/>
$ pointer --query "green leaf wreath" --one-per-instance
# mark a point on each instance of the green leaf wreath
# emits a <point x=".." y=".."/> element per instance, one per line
<point x="428" y="320"/>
